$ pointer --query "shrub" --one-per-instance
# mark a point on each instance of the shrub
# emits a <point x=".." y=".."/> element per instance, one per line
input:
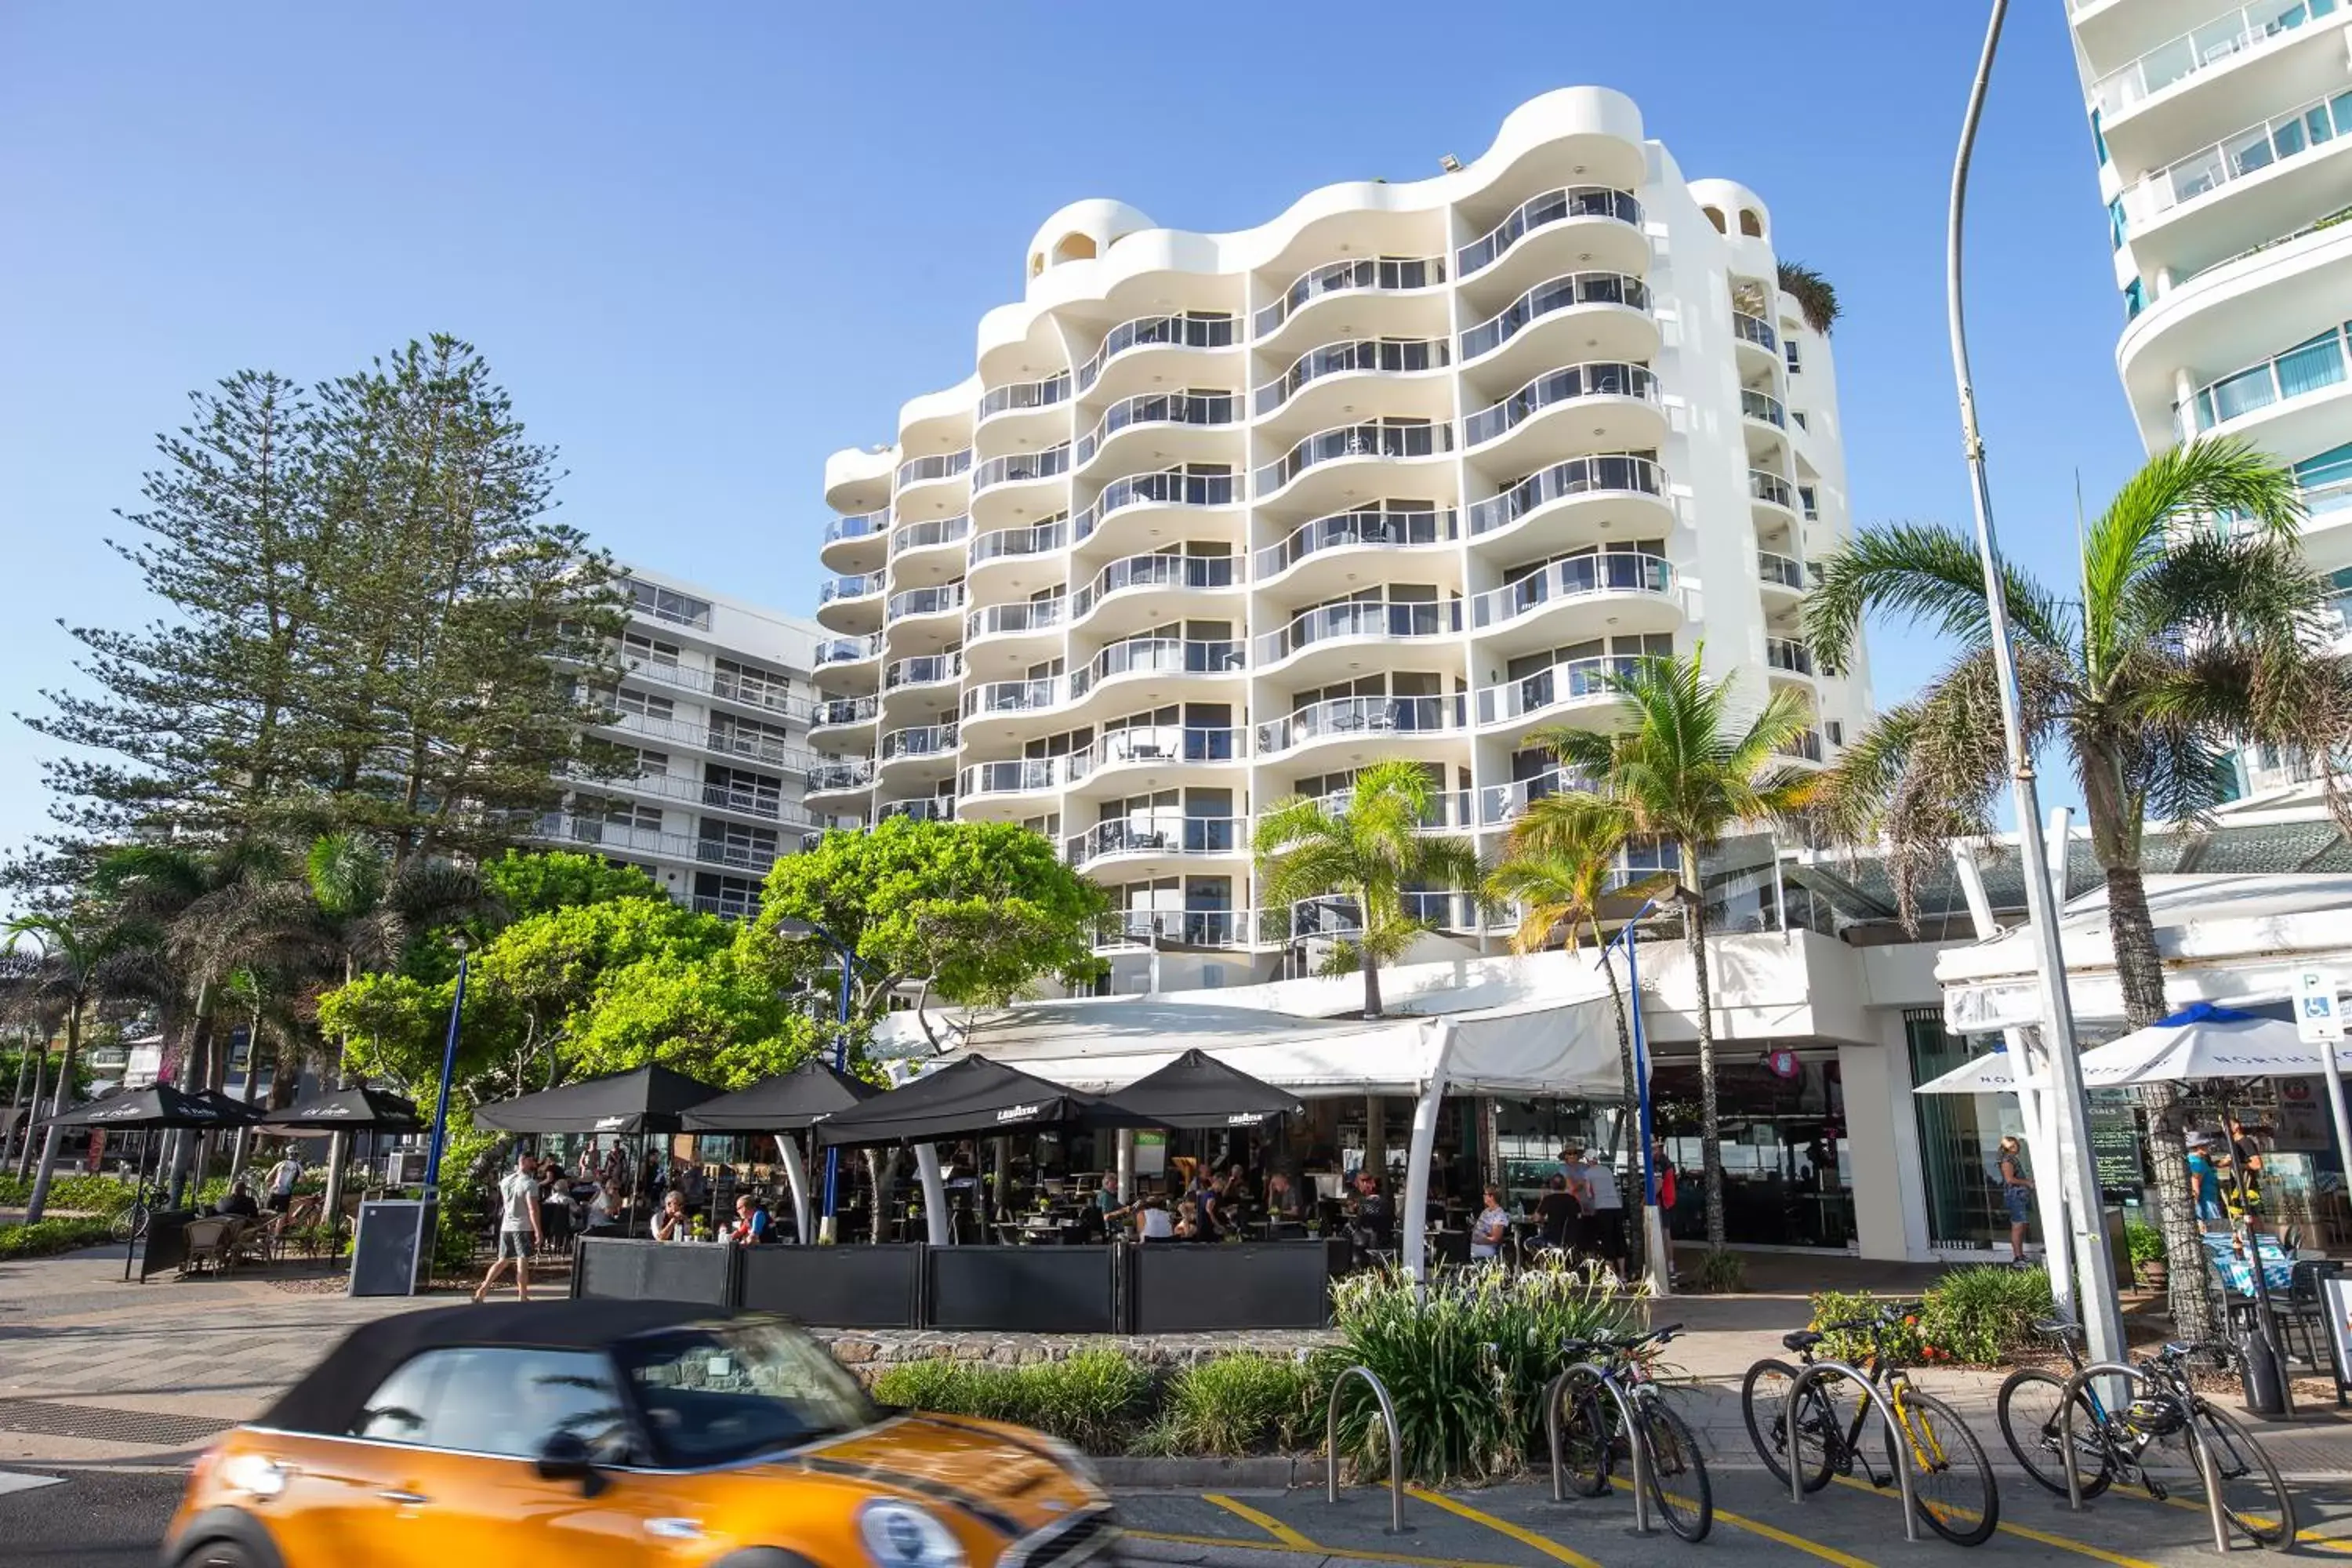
<point x="2145" y="1242"/>
<point x="1902" y="1342"/>
<point x="87" y="1193"/>
<point x="1239" y="1405"/>
<point x="1094" y="1399"/>
<point x="1467" y="1366"/>
<point x="1977" y="1315"/>
<point x="53" y="1236"/>
<point x="1723" y="1273"/>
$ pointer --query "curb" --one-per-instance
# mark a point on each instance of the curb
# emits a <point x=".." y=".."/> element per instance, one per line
<point x="1134" y="1550"/>
<point x="1272" y="1472"/>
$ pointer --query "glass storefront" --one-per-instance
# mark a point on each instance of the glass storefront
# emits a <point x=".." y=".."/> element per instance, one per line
<point x="1786" y="1171"/>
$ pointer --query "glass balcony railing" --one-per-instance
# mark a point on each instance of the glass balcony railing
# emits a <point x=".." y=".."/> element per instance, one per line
<point x="1499" y="803"/>
<point x="1023" y="394"/>
<point x="1569" y="681"/>
<point x="2215" y="43"/>
<point x="923" y="669"/>
<point x="2308" y="367"/>
<point x="864" y="525"/>
<point x="1155" y="572"/>
<point x="1376" y="525"/>
<point x="1763" y="405"/>
<point x="1765" y="485"/>
<point x="1807" y="747"/>
<point x="1158" y="744"/>
<point x="1173" y="487"/>
<point x="849" y="587"/>
<point x="1578" y="576"/>
<point x="1540" y="212"/>
<point x="848" y="650"/>
<point x="827" y="776"/>
<point x="923" y="535"/>
<point x="1168" y="331"/>
<point x="841" y="710"/>
<point x="1018" y="776"/>
<point x="926" y="808"/>
<point x="1159" y="833"/>
<point x="1558" y="294"/>
<point x="1190" y="927"/>
<point x="1358" y="619"/>
<point x="1609" y="472"/>
<point x="1600" y="379"/>
<point x="921" y="741"/>
<point x="1036" y="540"/>
<point x="1394" y="355"/>
<point x="1354" y="441"/>
<point x="1780" y="570"/>
<point x="1755" y="329"/>
<point x="1355" y="717"/>
<point x="1016" y="695"/>
<point x="1384" y="272"/>
<point x="2258" y="147"/>
<point x="1159" y="408"/>
<point x="1152" y="656"/>
<point x="1448" y="809"/>
<point x="1015" y="468"/>
<point x="1027" y="616"/>
<point x="1789" y="654"/>
<point x="933" y="601"/>
<point x="945" y="465"/>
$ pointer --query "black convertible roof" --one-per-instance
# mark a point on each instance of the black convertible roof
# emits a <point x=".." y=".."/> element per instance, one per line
<point x="331" y="1398"/>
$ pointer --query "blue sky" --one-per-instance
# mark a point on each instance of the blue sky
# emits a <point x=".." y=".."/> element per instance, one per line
<point x="705" y="246"/>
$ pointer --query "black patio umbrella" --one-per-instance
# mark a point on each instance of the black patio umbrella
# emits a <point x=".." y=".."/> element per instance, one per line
<point x="973" y="1098"/>
<point x="647" y="1100"/>
<point x="346" y="1110"/>
<point x="785" y="1104"/>
<point x="1198" y="1091"/>
<point x="162" y="1105"/>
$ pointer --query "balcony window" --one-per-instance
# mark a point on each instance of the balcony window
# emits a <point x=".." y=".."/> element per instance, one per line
<point x="649" y="650"/>
<point x="760" y="687"/>
<point x="642" y="704"/>
<point x="667" y="604"/>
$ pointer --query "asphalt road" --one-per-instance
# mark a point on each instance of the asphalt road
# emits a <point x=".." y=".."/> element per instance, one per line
<point x="91" y="1519"/>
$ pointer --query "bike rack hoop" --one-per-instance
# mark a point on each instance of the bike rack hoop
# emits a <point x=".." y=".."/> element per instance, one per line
<point x="2206" y="1470"/>
<point x="1331" y="1445"/>
<point x="1635" y="1438"/>
<point x="1872" y="1398"/>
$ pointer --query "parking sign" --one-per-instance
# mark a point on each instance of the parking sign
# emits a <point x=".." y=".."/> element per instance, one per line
<point x="2318" y="1018"/>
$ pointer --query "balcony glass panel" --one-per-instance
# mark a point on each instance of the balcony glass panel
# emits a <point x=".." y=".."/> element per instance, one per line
<point x="1420" y="525"/>
<point x="924" y="669"/>
<point x="945" y="465"/>
<point x="1780" y="570"/>
<point x="1391" y="354"/>
<point x="1016" y="695"/>
<point x="1159" y="408"/>
<point x="1763" y="405"/>
<point x="1560" y="294"/>
<point x="1149" y="655"/>
<point x="1012" y="777"/>
<point x="2215" y="43"/>
<point x="1569" y="680"/>
<point x="842" y="710"/>
<point x="1015" y="466"/>
<point x="929" y="808"/>
<point x="848" y="650"/>
<point x="1024" y="394"/>
<point x="1360" y="620"/>
<point x="2308" y="367"/>
<point x="922" y="740"/>
<point x="1157" y="834"/>
<point x="859" y="527"/>
<point x="1355" y="716"/>
<point x="925" y="600"/>
<point x="1158" y="743"/>
<point x="849" y="587"/>
<point x="1008" y="542"/>
<point x="1355" y="441"/>
<point x="1171" y="487"/>
<point x="1155" y="572"/>
<point x="1029" y="616"/>
<point x="1339" y="276"/>
<point x="923" y="535"/>
<point x="1599" y="379"/>
<point x="1753" y="330"/>
<point x="1552" y="206"/>
<point x="1175" y="332"/>
<point x="1610" y="471"/>
<point x="2248" y="151"/>
<point x="840" y="775"/>
<point x="1771" y="487"/>
<point x="1575" y="577"/>
<point x="1789" y="654"/>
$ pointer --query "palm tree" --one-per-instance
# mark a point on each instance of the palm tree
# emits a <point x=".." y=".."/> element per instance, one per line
<point x="2188" y="639"/>
<point x="1682" y="770"/>
<point x="1370" y="848"/>
<point x="79" y="959"/>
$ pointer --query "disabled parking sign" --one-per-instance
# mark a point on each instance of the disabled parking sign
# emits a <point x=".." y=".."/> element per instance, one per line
<point x="2318" y="1016"/>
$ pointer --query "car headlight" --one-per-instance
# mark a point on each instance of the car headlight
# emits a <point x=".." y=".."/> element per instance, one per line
<point x="900" y="1535"/>
<point x="1075" y="1460"/>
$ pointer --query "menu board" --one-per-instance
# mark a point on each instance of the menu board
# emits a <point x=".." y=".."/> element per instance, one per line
<point x="2116" y="1144"/>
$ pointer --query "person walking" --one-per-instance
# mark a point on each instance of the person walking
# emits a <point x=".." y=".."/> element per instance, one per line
<point x="282" y="1177"/>
<point x="2016" y="1195"/>
<point x="518" y="1232"/>
<point x="1607" y="1213"/>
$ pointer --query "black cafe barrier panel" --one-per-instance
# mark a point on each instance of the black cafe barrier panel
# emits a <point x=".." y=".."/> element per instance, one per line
<point x="1113" y="1289"/>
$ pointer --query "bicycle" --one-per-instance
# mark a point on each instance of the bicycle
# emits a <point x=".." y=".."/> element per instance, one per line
<point x="2114" y="1445"/>
<point x="130" y="1224"/>
<point x="1590" y="1445"/>
<point x="1951" y="1482"/>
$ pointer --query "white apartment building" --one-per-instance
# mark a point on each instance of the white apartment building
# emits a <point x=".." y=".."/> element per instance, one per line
<point x="713" y="702"/>
<point x="2224" y="139"/>
<point x="1218" y="520"/>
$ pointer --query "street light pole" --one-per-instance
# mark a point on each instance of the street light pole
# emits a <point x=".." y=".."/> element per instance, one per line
<point x="826" y="1228"/>
<point x="448" y="1071"/>
<point x="2101" y="1319"/>
<point x="1657" y="1248"/>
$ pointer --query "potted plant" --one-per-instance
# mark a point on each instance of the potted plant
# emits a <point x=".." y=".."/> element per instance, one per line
<point x="2145" y="1244"/>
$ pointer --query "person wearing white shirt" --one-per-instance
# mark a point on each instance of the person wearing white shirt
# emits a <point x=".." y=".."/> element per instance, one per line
<point x="1154" y="1223"/>
<point x="282" y="1177"/>
<point x="1606" y="1215"/>
<point x="518" y="1229"/>
<point x="1493" y="1224"/>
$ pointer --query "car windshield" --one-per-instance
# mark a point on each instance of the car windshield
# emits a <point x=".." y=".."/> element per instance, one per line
<point x="726" y="1391"/>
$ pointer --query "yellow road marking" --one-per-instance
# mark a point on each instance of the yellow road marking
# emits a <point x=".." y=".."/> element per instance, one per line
<point x="1350" y="1554"/>
<point x="2303" y="1537"/>
<point x="2023" y="1533"/>
<point x="1266" y="1523"/>
<point x="1771" y="1532"/>
<point x="1549" y="1548"/>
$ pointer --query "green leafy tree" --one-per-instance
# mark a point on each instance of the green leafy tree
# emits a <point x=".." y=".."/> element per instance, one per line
<point x="1682" y="768"/>
<point x="1372" y="850"/>
<point x="716" y="1017"/>
<point x="76" y="962"/>
<point x="528" y="883"/>
<point x="2187" y="640"/>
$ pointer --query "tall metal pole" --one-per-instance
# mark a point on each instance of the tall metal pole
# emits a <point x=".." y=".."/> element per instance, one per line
<point x="827" y="1226"/>
<point x="1657" y="1248"/>
<point x="448" y="1071"/>
<point x="2101" y="1318"/>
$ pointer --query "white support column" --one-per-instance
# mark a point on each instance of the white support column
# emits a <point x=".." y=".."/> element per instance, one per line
<point x="796" y="1176"/>
<point x="1126" y="1166"/>
<point x="1413" y="1211"/>
<point x="935" y="1196"/>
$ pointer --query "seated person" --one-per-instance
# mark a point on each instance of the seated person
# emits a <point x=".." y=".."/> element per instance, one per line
<point x="671" y="1222"/>
<point x="751" y="1222"/>
<point x="1491" y="1229"/>
<point x="1557" y="1213"/>
<point x="1375" y="1220"/>
<point x="1093" y="1224"/>
<point x="239" y="1204"/>
<point x="605" y="1209"/>
<point x="1188" y="1221"/>
<point x="1282" y="1205"/>
<point x="1152" y="1220"/>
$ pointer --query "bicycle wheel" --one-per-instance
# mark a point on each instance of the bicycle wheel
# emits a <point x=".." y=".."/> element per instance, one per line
<point x="1677" y="1471"/>
<point x="2252" y="1494"/>
<point x="1764" y="1405"/>
<point x="1951" y="1483"/>
<point x="1584" y="1436"/>
<point x="2032" y="1427"/>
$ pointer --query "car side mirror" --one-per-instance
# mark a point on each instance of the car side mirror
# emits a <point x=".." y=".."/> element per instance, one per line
<point x="566" y="1458"/>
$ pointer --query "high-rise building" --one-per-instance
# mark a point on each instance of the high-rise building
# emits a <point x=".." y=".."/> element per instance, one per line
<point x="2224" y="140"/>
<point x="713" y="702"/>
<point x="1219" y="520"/>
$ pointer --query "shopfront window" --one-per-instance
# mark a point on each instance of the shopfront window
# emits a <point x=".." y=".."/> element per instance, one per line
<point x="1785" y="1166"/>
<point x="1959" y="1135"/>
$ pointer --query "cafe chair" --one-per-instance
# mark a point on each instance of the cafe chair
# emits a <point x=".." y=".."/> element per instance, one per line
<point x="208" y="1245"/>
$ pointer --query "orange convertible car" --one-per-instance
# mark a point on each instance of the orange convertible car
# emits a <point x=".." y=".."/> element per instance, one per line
<point x="603" y="1433"/>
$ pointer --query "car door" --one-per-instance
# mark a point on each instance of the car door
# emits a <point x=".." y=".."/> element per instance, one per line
<point x="349" y="1498"/>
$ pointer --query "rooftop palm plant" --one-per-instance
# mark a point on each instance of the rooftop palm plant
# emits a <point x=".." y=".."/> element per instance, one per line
<point x="2188" y="639"/>
<point x="1815" y="295"/>
<point x="1684" y="767"/>
<point x="1370" y="849"/>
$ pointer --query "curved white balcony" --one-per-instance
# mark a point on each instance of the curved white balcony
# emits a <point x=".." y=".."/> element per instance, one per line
<point x="854" y="544"/>
<point x="1023" y="397"/>
<point x="2290" y="402"/>
<point x="923" y="669"/>
<point x="1780" y="572"/>
<point x="932" y="534"/>
<point x="1025" y="617"/>
<point x="1762" y="408"/>
<point x="1380" y="357"/>
<point x="2285" y="148"/>
<point x="1499" y="805"/>
<point x="1611" y="403"/>
<point x="841" y="652"/>
<point x="1389" y="720"/>
<point x="1018" y="544"/>
<point x="1180" y="572"/>
<point x="1356" y="621"/>
<point x="1158" y="835"/>
<point x="1572" y="204"/>
<point x="1806" y="748"/>
<point x="1770" y="490"/>
<point x="1756" y="335"/>
<point x="1389" y="274"/>
<point x="1158" y="332"/>
<point x="1155" y="657"/>
<point x="1021" y="468"/>
<point x="850" y="603"/>
<point x="1003" y="696"/>
<point x="835" y="714"/>
<point x="1607" y="479"/>
<point x="1167" y="487"/>
<point x="1018" y="776"/>
<point x="922" y="808"/>
<point x="918" y="741"/>
<point x="841" y="778"/>
<point x="1368" y="440"/>
<point x="1609" y="575"/>
<point x="914" y="602"/>
<point x="1570" y="684"/>
<point x="1620" y="301"/>
<point x="1788" y="656"/>
<point x="1212" y="929"/>
<point x="1374" y="528"/>
<point x="1448" y="809"/>
<point x="1152" y="747"/>
<point x="925" y="470"/>
<point x="1158" y="411"/>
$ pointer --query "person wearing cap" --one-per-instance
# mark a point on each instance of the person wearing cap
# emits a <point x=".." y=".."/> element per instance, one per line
<point x="2204" y="1179"/>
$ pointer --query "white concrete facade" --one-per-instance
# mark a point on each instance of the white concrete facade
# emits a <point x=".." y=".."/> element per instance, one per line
<point x="2224" y="135"/>
<point x="714" y="700"/>
<point x="1221" y="518"/>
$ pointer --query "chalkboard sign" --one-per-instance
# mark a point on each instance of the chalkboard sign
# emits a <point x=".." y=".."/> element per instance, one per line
<point x="393" y="1249"/>
<point x="2116" y="1146"/>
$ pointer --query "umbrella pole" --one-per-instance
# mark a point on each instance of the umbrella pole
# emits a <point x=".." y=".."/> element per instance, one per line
<point x="2266" y="1324"/>
<point x="138" y="1196"/>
